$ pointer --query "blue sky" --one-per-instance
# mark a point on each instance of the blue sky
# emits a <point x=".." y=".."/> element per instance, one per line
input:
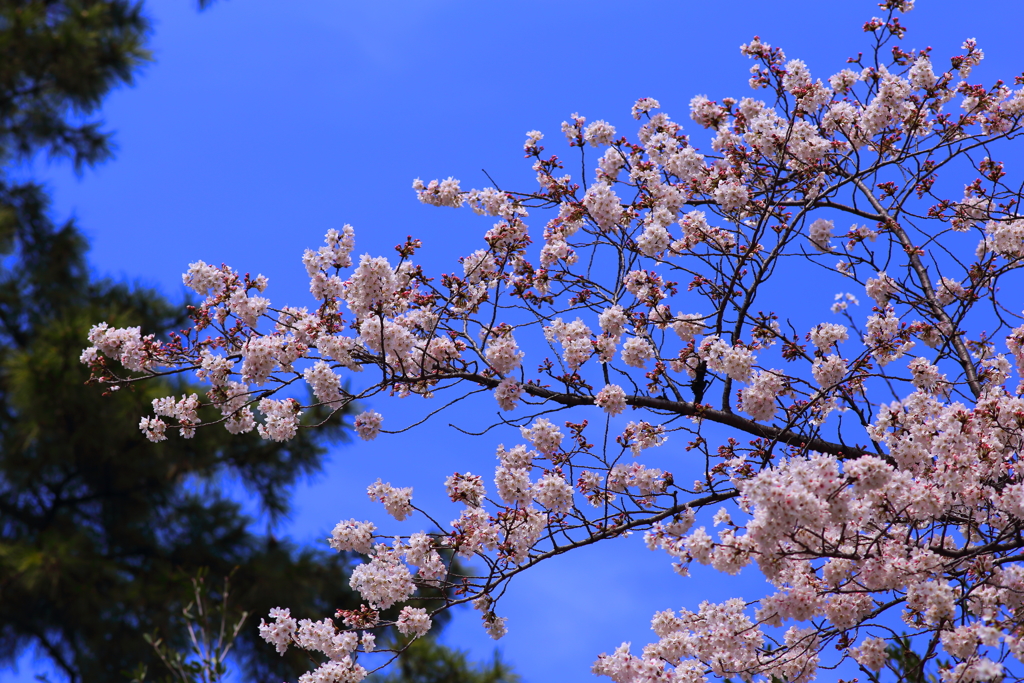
<point x="263" y="123"/>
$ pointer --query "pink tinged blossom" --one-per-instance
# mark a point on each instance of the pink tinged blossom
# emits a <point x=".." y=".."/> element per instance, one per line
<point x="575" y="339"/>
<point x="246" y="308"/>
<point x="352" y="535"/>
<point x="384" y="580"/>
<point x="372" y="287"/>
<point x="507" y="393"/>
<point x="204" y="280"/>
<point x="544" y="436"/>
<point x="731" y="196"/>
<point x="687" y="164"/>
<point x="871" y="654"/>
<point x="1003" y="238"/>
<point x="611" y="399"/>
<point x="495" y="626"/>
<point x="398" y="502"/>
<point x="599" y="133"/>
<point x="613" y="321"/>
<point x="825" y="335"/>
<point x="503" y="355"/>
<point x="439" y="193"/>
<point x="573" y="130"/>
<point x="759" y="399"/>
<point x="259" y="359"/>
<point x="844" y="80"/>
<point x="281" y="632"/>
<point x="604" y="206"/>
<point x="554" y="493"/>
<point x="344" y="670"/>
<point x="525" y="532"/>
<point x="490" y="202"/>
<point x="413" y="621"/>
<point x="829" y="371"/>
<point x="609" y="165"/>
<point x="478" y="266"/>
<point x="154" y="429"/>
<point x="637" y="351"/>
<point x="476" y="533"/>
<point x="421" y="553"/>
<point x="705" y="112"/>
<point x="735" y="361"/>
<point x="880" y="288"/>
<point x="654" y="240"/>
<point x="466" y="488"/>
<point x="325" y="383"/>
<point x="820" y="234"/>
<point x="215" y="369"/>
<point x="513" y="485"/>
<point x="688" y="325"/>
<point x="339" y="349"/>
<point x="642" y="435"/>
<point x="126" y="345"/>
<point x="922" y="76"/>
<point x="926" y="376"/>
<point x="947" y="291"/>
<point x="883" y="337"/>
<point x="282" y="419"/>
<point x="368" y="424"/>
<point x="643" y="106"/>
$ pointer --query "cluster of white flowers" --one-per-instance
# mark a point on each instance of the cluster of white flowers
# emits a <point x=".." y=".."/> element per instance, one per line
<point x="384" y="580"/>
<point x="184" y="411"/>
<point x="126" y="345"/>
<point x="927" y="376"/>
<point x="637" y="351"/>
<point x="829" y="371"/>
<point x="825" y="335"/>
<point x="466" y="488"/>
<point x="1004" y="238"/>
<point x="611" y="399"/>
<point x="352" y="535"/>
<point x="508" y="393"/>
<point x="398" y="502"/>
<point x="545" y="437"/>
<point x="613" y="321"/>
<point x="688" y="325"/>
<point x="880" y="288"/>
<point x="553" y="492"/>
<point x="884" y="339"/>
<point x="281" y="632"/>
<point x="575" y="339"/>
<point x="439" y="193"/>
<point x="282" y="418"/>
<point x="372" y="286"/>
<point x="820" y="234"/>
<point x="503" y="354"/>
<point x="735" y="361"/>
<point x="642" y="435"/>
<point x="604" y="206"/>
<point x="367" y="424"/>
<point x="413" y="621"/>
<point x="325" y="383"/>
<point x="758" y="399"/>
<point x="731" y="196"/>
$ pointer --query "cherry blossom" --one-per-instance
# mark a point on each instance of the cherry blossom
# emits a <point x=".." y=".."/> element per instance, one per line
<point x="868" y="456"/>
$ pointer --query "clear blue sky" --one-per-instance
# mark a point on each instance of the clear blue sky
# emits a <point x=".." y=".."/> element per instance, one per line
<point x="263" y="123"/>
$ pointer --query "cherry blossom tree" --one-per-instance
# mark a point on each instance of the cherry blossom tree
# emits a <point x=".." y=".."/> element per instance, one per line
<point x="863" y="458"/>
